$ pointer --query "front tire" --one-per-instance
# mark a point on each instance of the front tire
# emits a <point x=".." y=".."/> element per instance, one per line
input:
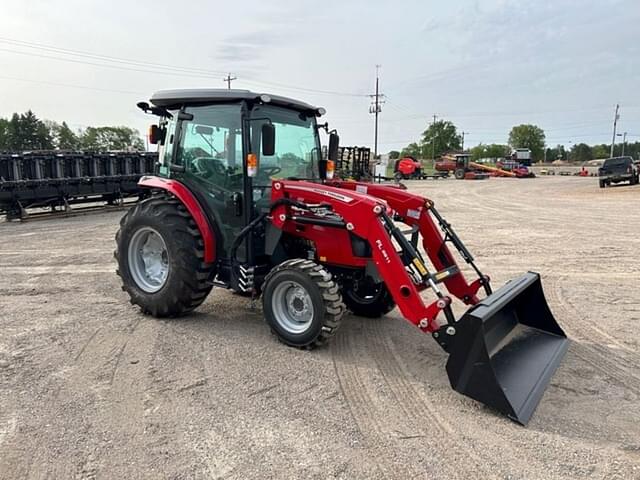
<point x="602" y="184"/>
<point x="302" y="303"/>
<point x="160" y="257"/>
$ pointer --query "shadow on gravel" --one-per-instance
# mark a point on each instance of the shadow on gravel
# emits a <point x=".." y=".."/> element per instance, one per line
<point x="594" y="397"/>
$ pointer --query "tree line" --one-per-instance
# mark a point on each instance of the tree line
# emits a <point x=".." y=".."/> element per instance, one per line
<point x="442" y="136"/>
<point x="25" y="131"/>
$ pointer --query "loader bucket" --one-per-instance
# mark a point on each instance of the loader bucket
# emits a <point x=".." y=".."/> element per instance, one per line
<point x="506" y="348"/>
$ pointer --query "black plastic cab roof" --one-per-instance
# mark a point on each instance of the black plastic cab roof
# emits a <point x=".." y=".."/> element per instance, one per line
<point x="177" y="98"/>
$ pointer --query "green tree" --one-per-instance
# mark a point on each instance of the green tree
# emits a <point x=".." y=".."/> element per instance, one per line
<point x="65" y="138"/>
<point x="111" y="138"/>
<point x="600" y="151"/>
<point x="4" y="134"/>
<point x="528" y="136"/>
<point x="412" y="150"/>
<point x="557" y="153"/>
<point x="581" y="152"/>
<point x="440" y="137"/>
<point x="394" y="154"/>
<point x="493" y="150"/>
<point x="27" y="132"/>
<point x="633" y="149"/>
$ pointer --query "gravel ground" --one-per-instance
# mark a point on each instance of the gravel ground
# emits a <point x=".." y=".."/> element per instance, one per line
<point x="90" y="388"/>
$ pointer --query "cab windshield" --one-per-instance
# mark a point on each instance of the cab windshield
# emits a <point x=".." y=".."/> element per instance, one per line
<point x="297" y="148"/>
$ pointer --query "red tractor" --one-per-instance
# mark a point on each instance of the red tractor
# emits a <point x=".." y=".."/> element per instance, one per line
<point x="461" y="166"/>
<point x="244" y="201"/>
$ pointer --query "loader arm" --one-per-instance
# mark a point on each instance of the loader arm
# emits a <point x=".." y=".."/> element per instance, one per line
<point x="420" y="213"/>
<point x="367" y="217"/>
<point x="504" y="349"/>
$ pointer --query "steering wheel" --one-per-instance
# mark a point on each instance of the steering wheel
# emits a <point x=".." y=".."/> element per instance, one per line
<point x="270" y="171"/>
<point x="209" y="166"/>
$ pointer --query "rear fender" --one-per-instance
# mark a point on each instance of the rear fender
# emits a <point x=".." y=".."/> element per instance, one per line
<point x="182" y="193"/>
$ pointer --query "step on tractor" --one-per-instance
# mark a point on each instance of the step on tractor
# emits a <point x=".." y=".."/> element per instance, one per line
<point x="244" y="200"/>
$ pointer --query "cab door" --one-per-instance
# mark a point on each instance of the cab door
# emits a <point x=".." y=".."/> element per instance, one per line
<point x="210" y="150"/>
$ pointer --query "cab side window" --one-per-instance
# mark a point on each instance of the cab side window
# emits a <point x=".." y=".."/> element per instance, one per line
<point x="210" y="146"/>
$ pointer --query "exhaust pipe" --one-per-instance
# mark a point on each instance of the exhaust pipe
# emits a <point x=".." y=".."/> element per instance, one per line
<point x="506" y="348"/>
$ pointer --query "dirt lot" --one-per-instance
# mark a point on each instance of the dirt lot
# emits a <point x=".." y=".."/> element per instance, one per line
<point x="90" y="388"/>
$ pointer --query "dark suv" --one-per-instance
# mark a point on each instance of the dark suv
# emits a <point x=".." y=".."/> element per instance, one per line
<point x="618" y="169"/>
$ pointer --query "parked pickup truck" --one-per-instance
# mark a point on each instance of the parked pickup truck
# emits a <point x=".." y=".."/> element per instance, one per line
<point x="618" y="169"/>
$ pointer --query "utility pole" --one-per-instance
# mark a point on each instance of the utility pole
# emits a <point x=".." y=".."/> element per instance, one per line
<point x="375" y="108"/>
<point x="616" y="117"/>
<point x="463" y="134"/>
<point x="229" y="79"/>
<point x="433" y="141"/>
<point x="624" y="142"/>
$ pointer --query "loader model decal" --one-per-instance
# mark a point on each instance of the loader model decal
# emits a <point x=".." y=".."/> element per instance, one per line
<point x="383" y="251"/>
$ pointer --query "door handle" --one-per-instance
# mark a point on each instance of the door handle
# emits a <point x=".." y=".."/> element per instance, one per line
<point x="236" y="199"/>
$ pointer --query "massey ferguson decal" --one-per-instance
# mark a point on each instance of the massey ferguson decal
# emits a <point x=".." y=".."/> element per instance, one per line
<point x="321" y="191"/>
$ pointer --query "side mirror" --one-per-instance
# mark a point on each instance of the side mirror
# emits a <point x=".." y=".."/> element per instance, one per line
<point x="156" y="134"/>
<point x="334" y="143"/>
<point x="268" y="139"/>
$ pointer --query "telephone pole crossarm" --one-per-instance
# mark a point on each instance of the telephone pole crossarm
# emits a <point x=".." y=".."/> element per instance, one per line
<point x="228" y="79"/>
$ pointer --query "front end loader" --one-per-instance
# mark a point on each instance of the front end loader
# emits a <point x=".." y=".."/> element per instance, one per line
<point x="244" y="200"/>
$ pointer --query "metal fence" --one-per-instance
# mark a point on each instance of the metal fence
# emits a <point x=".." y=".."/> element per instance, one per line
<point x="52" y="179"/>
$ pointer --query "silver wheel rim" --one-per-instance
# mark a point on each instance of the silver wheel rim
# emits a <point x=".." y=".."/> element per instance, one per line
<point x="148" y="259"/>
<point x="292" y="307"/>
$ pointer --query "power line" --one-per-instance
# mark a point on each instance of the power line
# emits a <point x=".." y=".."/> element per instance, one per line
<point x="303" y="89"/>
<point x="105" y="65"/>
<point x="146" y="67"/>
<point x="97" y="56"/>
<point x="83" y="87"/>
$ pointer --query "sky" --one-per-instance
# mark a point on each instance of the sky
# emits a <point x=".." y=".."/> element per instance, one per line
<point x="484" y="65"/>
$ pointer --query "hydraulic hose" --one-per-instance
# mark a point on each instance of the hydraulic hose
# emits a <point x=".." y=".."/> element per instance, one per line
<point x="258" y="220"/>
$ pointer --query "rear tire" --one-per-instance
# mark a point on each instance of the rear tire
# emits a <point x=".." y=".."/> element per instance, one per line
<point x="459" y="173"/>
<point x="369" y="300"/>
<point x="602" y="184"/>
<point x="302" y="303"/>
<point x="184" y="284"/>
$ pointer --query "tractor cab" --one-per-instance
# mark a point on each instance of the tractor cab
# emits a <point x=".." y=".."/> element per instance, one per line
<point x="226" y="147"/>
<point x="462" y="165"/>
<point x="462" y="161"/>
